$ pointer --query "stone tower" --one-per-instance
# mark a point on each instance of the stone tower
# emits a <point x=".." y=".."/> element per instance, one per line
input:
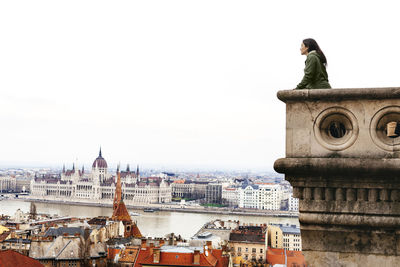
<point x="345" y="171"/>
<point x="120" y="212"/>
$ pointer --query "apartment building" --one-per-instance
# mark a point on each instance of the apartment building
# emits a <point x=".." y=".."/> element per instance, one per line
<point x="248" y="242"/>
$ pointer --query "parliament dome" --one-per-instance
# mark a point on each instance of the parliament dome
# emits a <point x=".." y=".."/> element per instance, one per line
<point x="100" y="162"/>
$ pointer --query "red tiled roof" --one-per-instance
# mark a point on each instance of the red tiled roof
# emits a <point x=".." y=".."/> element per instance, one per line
<point x="112" y="252"/>
<point x="135" y="231"/>
<point x="179" y="259"/>
<point x="10" y="258"/>
<point x="252" y="234"/>
<point x="214" y="259"/>
<point x="97" y="221"/>
<point x="277" y="256"/>
<point x="121" y="213"/>
<point x="129" y="254"/>
<point x="222" y="260"/>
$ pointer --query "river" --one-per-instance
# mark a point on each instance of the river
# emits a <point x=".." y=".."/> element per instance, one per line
<point x="155" y="224"/>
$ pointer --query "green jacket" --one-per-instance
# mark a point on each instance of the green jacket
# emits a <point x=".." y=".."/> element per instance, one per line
<point x="315" y="75"/>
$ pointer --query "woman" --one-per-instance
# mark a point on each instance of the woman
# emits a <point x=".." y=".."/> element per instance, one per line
<point x="315" y="75"/>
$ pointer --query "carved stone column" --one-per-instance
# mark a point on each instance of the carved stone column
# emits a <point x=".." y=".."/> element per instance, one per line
<point x="346" y="173"/>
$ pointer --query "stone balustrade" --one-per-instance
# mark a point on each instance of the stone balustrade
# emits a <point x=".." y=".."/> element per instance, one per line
<point x="345" y="170"/>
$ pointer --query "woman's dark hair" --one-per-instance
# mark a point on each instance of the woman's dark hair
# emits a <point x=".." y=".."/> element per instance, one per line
<point x="311" y="44"/>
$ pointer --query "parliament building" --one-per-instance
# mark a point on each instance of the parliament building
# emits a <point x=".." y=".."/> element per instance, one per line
<point x="99" y="186"/>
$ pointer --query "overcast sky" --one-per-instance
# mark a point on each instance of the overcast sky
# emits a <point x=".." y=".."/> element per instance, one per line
<point x="174" y="83"/>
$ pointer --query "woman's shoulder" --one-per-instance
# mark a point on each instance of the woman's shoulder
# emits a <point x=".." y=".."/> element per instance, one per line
<point x="312" y="56"/>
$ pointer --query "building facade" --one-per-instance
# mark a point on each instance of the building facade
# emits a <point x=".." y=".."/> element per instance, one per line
<point x="189" y="189"/>
<point x="293" y="204"/>
<point x="275" y="236"/>
<point x="230" y="196"/>
<point x="214" y="193"/>
<point x="284" y="236"/>
<point x="248" y="242"/>
<point x="260" y="196"/>
<point x="100" y="185"/>
<point x="7" y="184"/>
<point x="291" y="237"/>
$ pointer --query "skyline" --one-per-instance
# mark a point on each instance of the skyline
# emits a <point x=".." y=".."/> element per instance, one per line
<point x="174" y="83"/>
<point x="151" y="167"/>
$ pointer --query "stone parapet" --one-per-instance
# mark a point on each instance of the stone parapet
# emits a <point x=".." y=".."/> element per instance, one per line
<point x="339" y="166"/>
<point x="339" y="94"/>
<point x="345" y="171"/>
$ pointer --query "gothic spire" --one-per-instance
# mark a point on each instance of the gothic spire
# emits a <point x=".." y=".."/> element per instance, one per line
<point x="118" y="190"/>
<point x="127" y="168"/>
<point x="100" y="153"/>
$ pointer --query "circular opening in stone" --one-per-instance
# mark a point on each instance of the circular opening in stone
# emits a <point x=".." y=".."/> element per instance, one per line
<point x="337" y="129"/>
<point x="385" y="128"/>
<point x="388" y="128"/>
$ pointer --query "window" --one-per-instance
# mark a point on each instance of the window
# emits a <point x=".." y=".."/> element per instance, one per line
<point x="253" y="250"/>
<point x="239" y="249"/>
<point x="247" y="249"/>
<point x="261" y="251"/>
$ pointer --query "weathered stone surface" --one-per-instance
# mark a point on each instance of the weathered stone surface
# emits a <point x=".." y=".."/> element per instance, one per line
<point x="334" y="259"/>
<point x="345" y="172"/>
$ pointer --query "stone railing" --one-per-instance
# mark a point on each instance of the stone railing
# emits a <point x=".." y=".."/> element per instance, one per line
<point x="345" y="170"/>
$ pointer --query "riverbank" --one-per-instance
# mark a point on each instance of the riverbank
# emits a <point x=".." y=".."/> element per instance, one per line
<point x="151" y="224"/>
<point x="179" y="208"/>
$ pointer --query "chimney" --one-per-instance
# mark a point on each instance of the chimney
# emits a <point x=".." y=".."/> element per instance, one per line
<point x="209" y="244"/>
<point x="161" y="242"/>
<point x="156" y="255"/>
<point x="151" y="248"/>
<point x="143" y="244"/>
<point x="171" y="239"/>
<point x="196" y="257"/>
